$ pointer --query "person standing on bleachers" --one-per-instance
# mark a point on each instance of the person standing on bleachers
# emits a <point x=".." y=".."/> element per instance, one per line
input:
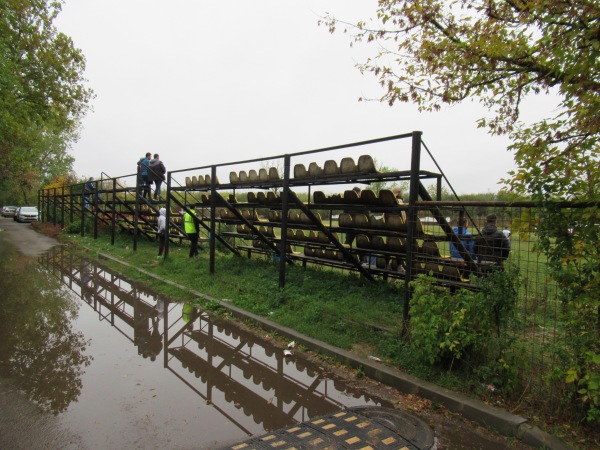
<point x="156" y="174"/>
<point x="142" y="170"/>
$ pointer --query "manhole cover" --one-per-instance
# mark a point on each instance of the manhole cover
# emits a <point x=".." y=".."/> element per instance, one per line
<point x="355" y="428"/>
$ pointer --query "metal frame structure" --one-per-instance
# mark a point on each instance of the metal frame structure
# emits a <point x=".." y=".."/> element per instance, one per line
<point x="119" y="206"/>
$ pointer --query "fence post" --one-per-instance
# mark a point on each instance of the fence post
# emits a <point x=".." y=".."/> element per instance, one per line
<point x="168" y="216"/>
<point x="213" y="213"/>
<point x="62" y="207"/>
<point x="82" y="210"/>
<point x="137" y="211"/>
<point x="40" y="203"/>
<point x="285" y="197"/>
<point x="96" y="203"/>
<point x="413" y="196"/>
<point x="113" y="221"/>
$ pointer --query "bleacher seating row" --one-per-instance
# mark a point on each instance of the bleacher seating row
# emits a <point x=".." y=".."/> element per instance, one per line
<point x="347" y="166"/>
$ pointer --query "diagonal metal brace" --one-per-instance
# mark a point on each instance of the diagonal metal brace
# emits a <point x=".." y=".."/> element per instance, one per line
<point x="255" y="230"/>
<point x="206" y="227"/>
<point x="349" y="257"/>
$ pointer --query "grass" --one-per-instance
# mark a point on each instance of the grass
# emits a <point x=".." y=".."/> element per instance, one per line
<point x="332" y="306"/>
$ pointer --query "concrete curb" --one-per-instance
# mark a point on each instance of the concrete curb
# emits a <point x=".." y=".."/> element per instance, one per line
<point x="503" y="422"/>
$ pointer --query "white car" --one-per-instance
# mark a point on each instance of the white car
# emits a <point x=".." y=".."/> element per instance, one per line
<point x="8" y="211"/>
<point x="27" y="214"/>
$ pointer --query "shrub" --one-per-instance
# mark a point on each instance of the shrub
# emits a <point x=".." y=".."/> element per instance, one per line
<point x="468" y="326"/>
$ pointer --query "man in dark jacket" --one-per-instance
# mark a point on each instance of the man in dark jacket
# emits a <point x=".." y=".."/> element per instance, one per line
<point x="491" y="246"/>
<point x="156" y="174"/>
<point x="88" y="191"/>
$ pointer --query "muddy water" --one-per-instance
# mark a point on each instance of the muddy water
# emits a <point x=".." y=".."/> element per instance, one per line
<point x="120" y="367"/>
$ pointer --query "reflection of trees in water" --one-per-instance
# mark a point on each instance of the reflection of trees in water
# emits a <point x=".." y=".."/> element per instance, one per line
<point x="38" y="348"/>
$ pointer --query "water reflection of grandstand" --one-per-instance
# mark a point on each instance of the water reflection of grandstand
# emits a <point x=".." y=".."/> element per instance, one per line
<point x="274" y="390"/>
<point x="247" y="380"/>
<point x="128" y="307"/>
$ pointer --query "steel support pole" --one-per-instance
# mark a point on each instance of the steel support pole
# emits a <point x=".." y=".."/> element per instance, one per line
<point x="411" y="242"/>
<point x="213" y="214"/>
<point x="168" y="216"/>
<point x="284" y="218"/>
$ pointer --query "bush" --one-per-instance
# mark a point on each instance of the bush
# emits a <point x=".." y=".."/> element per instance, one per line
<point x="468" y="326"/>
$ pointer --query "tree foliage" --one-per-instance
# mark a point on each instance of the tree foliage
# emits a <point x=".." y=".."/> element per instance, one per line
<point x="435" y="52"/>
<point x="43" y="99"/>
<point x="501" y="52"/>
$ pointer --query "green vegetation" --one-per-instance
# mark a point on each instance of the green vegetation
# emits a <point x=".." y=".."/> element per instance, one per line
<point x="437" y="52"/>
<point x="43" y="98"/>
<point x="571" y="241"/>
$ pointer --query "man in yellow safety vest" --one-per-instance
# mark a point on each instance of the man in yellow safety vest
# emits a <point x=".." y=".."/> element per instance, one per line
<point x="192" y="229"/>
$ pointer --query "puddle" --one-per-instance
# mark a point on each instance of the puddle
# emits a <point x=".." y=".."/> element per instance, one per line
<point x="123" y="367"/>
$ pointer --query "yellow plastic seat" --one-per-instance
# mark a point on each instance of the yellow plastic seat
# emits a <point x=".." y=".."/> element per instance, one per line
<point x="378" y="243"/>
<point x="360" y="220"/>
<point x="314" y="170"/>
<point x="300" y="171"/>
<point x="347" y="165"/>
<point x="387" y="198"/>
<point x="351" y="196"/>
<point x="263" y="175"/>
<point x="368" y="197"/>
<point x="331" y="168"/>
<point x="363" y="241"/>
<point x="320" y="197"/>
<point x="273" y="174"/>
<point x="375" y="222"/>
<point x="345" y="220"/>
<point x="366" y="164"/>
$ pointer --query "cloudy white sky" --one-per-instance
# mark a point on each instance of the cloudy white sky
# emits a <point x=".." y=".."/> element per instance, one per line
<point x="208" y="82"/>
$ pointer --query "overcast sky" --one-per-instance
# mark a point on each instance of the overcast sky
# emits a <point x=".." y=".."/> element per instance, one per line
<point x="207" y="82"/>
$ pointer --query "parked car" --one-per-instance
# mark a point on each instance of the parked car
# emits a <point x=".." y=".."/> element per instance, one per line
<point x="15" y="213"/>
<point x="8" y="211"/>
<point x="27" y="214"/>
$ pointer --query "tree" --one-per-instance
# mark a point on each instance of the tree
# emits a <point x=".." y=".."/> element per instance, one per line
<point x="435" y="52"/>
<point x="499" y="52"/>
<point x="43" y="96"/>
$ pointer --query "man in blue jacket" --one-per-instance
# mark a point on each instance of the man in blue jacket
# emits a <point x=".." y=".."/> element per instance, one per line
<point x="468" y="242"/>
<point x="143" y="165"/>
